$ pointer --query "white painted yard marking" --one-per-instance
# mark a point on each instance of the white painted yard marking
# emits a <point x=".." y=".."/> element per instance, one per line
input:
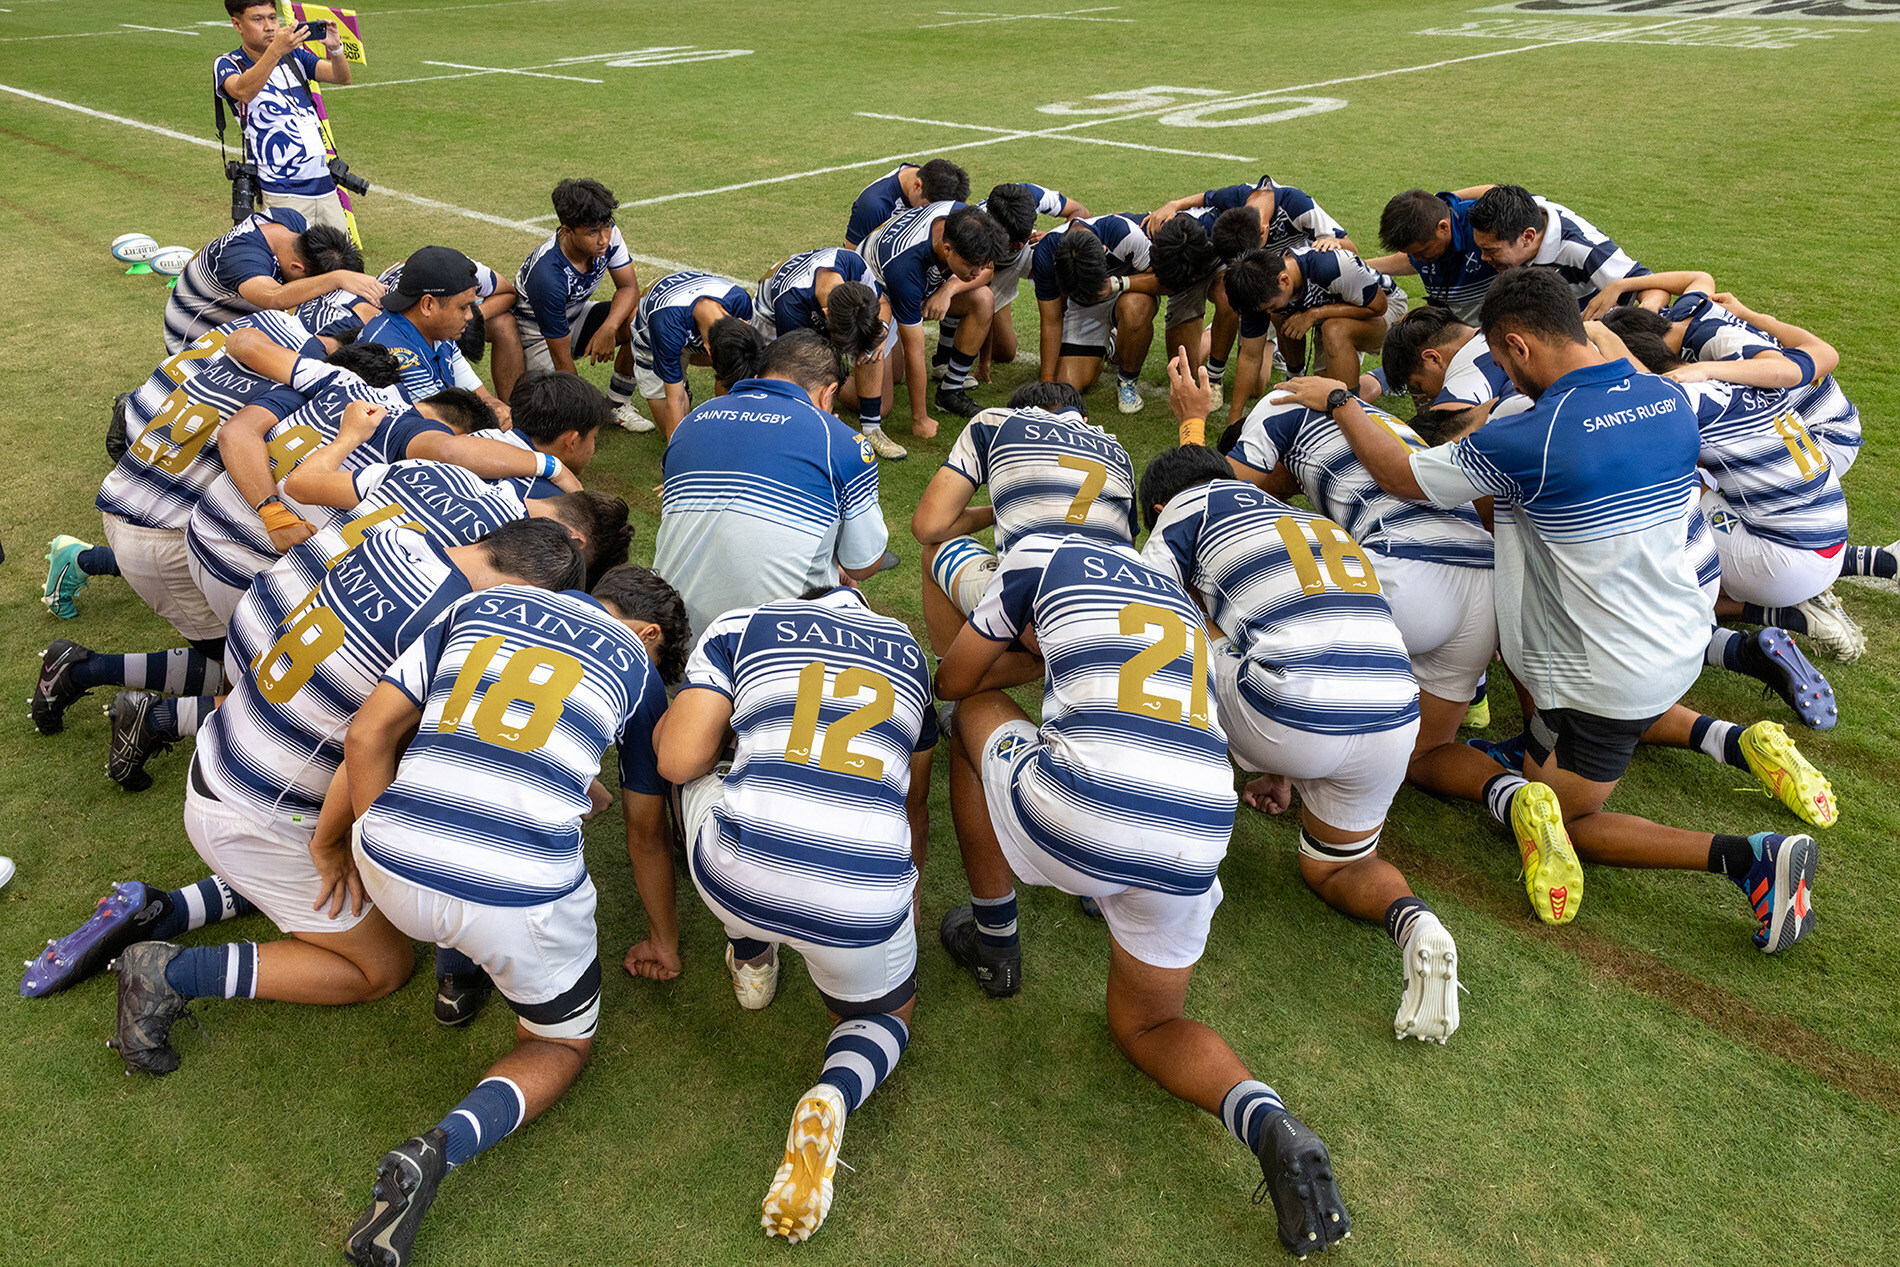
<point x="1295" y="108"/>
<point x="504" y="70"/>
<point x="1080" y="140"/>
<point x="164" y="30"/>
<point x="381" y="191"/>
<point x="1711" y="35"/>
<point x="978" y="17"/>
<point x="1806" y="10"/>
<point x="1130" y="99"/>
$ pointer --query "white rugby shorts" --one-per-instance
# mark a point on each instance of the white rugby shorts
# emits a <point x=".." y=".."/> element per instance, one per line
<point x="269" y="863"/>
<point x="1757" y="570"/>
<point x="1163" y="930"/>
<point x="157" y="565"/>
<point x="1447" y="618"/>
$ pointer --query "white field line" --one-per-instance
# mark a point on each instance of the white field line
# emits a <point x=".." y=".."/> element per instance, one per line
<point x="432" y="204"/>
<point x="1079" y="140"/>
<point x="979" y="17"/>
<point x="503" y="70"/>
<point x="1236" y="100"/>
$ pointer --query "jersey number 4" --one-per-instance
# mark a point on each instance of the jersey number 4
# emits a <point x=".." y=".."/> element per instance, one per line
<point x="837" y="756"/>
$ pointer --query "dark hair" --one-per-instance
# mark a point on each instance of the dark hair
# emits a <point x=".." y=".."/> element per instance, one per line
<point x="538" y="551"/>
<point x="943" y="181"/>
<point x="1633" y="320"/>
<point x="640" y="594"/>
<point x="1410" y="218"/>
<point x="1649" y="348"/>
<point x="1081" y="265"/>
<point x="1254" y="279"/>
<point x="603" y="521"/>
<point x="583" y="204"/>
<point x="1421" y="328"/>
<point x="1505" y="211"/>
<point x="1533" y="301"/>
<point x="1440" y="423"/>
<point x="547" y="404"/>
<point x="1013" y="207"/>
<point x="735" y="349"/>
<point x="851" y="321"/>
<point x="1053" y="397"/>
<point x="462" y="409"/>
<point x="974" y="234"/>
<point x="1174" y="470"/>
<point x="324" y="248"/>
<point x="1236" y="231"/>
<point x="802" y="357"/>
<point x="1230" y="436"/>
<point x="235" y="7"/>
<point x="1181" y="255"/>
<point x="474" y="337"/>
<point x="371" y="362"/>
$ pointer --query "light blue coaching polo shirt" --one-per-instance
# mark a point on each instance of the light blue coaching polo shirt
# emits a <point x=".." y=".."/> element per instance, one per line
<point x="1597" y="600"/>
<point x="765" y="496"/>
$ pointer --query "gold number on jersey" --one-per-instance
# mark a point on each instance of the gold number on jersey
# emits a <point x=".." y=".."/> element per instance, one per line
<point x="1094" y="476"/>
<point x="545" y="699"/>
<point x="1807" y="455"/>
<point x="356" y="529"/>
<point x="303" y="646"/>
<point x="1335" y="547"/>
<point x="208" y="344"/>
<point x="177" y="432"/>
<point x="837" y="756"/>
<point x="1131" y="695"/>
<point x="290" y="448"/>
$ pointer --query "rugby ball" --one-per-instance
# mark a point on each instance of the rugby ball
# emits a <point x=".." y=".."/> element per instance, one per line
<point x="170" y="260"/>
<point x="134" y="248"/>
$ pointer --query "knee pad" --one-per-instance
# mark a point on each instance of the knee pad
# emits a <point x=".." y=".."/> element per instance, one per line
<point x="962" y="570"/>
<point x="1319" y="851"/>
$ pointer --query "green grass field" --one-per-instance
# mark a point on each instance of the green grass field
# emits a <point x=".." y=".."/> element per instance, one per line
<point x="1642" y="1086"/>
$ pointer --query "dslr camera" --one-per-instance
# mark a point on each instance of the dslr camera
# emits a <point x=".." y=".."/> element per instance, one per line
<point x="244" y="189"/>
<point x="340" y="172"/>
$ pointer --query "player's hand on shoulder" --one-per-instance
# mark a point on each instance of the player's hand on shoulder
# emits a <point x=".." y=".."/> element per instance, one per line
<point x="360" y="284"/>
<point x="1309" y="390"/>
<point x="360" y="420"/>
<point x="565" y="480"/>
<point x="1688" y="374"/>
<point x="1328" y="244"/>
<point x="652" y="962"/>
<point x="284" y="538"/>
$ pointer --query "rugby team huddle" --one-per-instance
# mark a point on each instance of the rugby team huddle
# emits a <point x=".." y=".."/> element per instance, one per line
<point x="412" y="634"/>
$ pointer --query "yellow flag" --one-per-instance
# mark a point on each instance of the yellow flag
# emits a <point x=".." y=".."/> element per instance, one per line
<point x="346" y="24"/>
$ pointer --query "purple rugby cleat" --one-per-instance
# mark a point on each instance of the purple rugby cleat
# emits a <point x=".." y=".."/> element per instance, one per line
<point x="123" y="916"/>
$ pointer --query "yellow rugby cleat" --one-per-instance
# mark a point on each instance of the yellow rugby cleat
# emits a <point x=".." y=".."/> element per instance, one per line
<point x="1787" y="776"/>
<point x="1478" y="716"/>
<point x="800" y="1195"/>
<point x="1552" y="875"/>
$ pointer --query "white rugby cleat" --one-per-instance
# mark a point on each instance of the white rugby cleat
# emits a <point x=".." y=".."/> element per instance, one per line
<point x="754" y="986"/>
<point x="1429" y="1010"/>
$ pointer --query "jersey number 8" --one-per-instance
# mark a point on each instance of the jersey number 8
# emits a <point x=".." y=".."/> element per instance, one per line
<point x="1335" y="547"/>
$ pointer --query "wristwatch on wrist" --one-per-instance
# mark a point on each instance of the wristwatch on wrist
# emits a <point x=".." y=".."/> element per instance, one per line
<point x="1336" y="398"/>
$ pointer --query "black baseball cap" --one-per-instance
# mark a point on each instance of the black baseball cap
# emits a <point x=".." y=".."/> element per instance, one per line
<point x="434" y="270"/>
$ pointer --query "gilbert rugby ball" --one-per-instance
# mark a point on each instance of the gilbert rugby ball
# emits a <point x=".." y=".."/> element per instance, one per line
<point x="134" y="248"/>
<point x="170" y="260"/>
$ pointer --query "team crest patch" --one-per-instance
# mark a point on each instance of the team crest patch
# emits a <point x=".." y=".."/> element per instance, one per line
<point x="864" y="451"/>
<point x="406" y="358"/>
<point x="1008" y="746"/>
<point x="1723" y="521"/>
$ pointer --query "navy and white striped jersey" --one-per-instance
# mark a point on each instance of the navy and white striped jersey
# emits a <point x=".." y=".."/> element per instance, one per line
<point x="765" y="496"/>
<point x="1776" y="478"/>
<point x="1131" y="784"/>
<point x="788" y="299"/>
<point x="876" y="203"/>
<point x="1312" y="447"/>
<point x="1459" y="277"/>
<point x="1301" y="602"/>
<point x="1123" y="238"/>
<point x="1597" y="600"/>
<point x="1716" y="334"/>
<point x="904" y="260"/>
<point x="334" y="315"/>
<point x="521" y="691"/>
<point x="1048" y="472"/>
<point x="206" y="293"/>
<point x="1296" y="221"/>
<point x="1475" y="378"/>
<point x="1583" y="255"/>
<point x="172" y="422"/>
<point x="307" y="659"/>
<point x="552" y="293"/>
<point x="1007" y="275"/>
<point x="664" y="332"/>
<point x="829" y="703"/>
<point x="1326" y="277"/>
<point x="449" y="504"/>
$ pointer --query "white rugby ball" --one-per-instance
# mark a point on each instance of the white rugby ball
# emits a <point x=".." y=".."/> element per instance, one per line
<point x="134" y="248"/>
<point x="170" y="260"/>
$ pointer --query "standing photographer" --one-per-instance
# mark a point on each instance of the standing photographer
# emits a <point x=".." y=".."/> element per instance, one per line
<point x="266" y="80"/>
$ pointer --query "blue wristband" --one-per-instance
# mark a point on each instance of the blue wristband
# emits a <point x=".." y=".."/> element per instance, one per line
<point x="549" y="465"/>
